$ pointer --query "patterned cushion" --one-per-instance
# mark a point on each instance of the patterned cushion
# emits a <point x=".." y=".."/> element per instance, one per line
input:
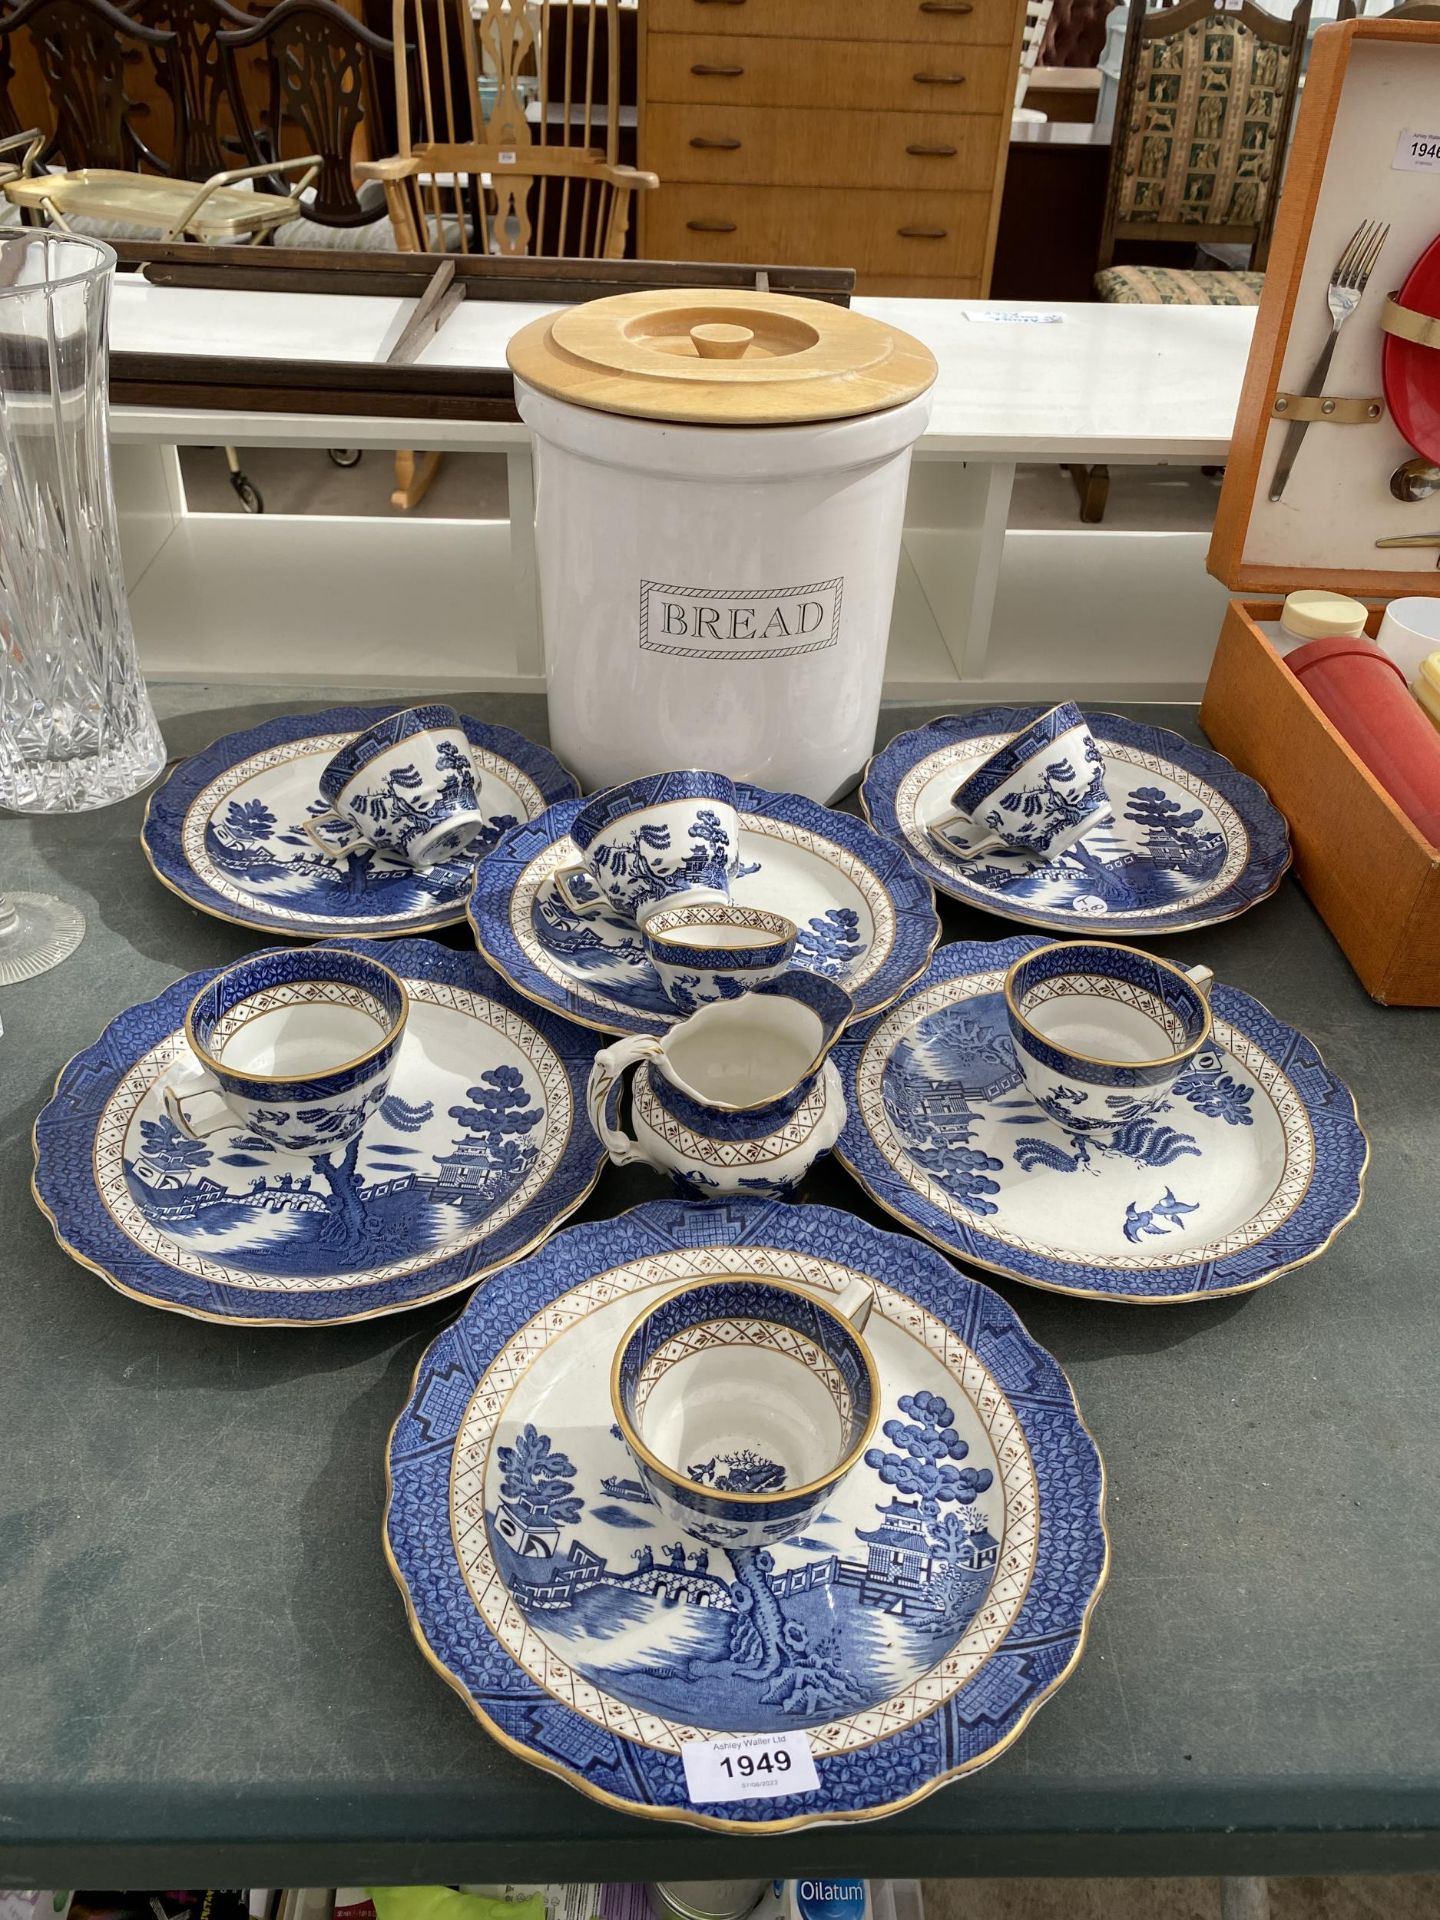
<point x="1172" y="287"/>
<point x="1201" y="144"/>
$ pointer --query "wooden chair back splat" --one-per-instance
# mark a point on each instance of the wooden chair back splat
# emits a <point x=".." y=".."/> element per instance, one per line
<point x="212" y="132"/>
<point x="483" y="104"/>
<point x="326" y="70"/>
<point x="1201" y="125"/>
<point x="81" y="47"/>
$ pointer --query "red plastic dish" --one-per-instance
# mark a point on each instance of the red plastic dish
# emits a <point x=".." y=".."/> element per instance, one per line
<point x="1412" y="373"/>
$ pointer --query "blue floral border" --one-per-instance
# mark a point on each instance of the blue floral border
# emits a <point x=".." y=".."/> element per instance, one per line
<point x="161" y="833"/>
<point x="968" y="1730"/>
<point x="1332" y="1198"/>
<point x="64" y="1186"/>
<point x="1264" y="823"/>
<point x="917" y="920"/>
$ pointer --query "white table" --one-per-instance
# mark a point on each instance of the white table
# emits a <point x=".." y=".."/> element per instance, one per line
<point x="981" y="609"/>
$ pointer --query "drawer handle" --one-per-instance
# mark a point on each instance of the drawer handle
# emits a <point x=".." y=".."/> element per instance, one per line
<point x="720" y="146"/>
<point x="941" y="79"/>
<point x="921" y="233"/>
<point x="932" y="148"/>
<point x="725" y="73"/>
<point x="947" y="6"/>
<point x="711" y="226"/>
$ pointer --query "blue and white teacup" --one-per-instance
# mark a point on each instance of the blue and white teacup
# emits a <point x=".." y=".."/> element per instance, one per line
<point x="406" y="786"/>
<point x="296" y="1045"/>
<point x="1102" y="1032"/>
<point x="668" y="839"/>
<point x="744" y="1403"/>
<point x="1038" y="793"/>
<point x="707" y="952"/>
<point x="740" y="1097"/>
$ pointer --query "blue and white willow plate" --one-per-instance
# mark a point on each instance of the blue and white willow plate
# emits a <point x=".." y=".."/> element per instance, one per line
<point x="1251" y="1166"/>
<point x="1194" y="839"/>
<point x="911" y="1631"/>
<point x="480" y="1148"/>
<point x="866" y="918"/>
<point x="225" y="831"/>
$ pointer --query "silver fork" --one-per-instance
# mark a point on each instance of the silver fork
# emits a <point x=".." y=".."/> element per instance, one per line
<point x="1343" y="295"/>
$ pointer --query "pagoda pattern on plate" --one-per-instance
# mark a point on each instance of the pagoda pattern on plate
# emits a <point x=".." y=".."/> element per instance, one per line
<point x="530" y="1669"/>
<point x="429" y="1196"/>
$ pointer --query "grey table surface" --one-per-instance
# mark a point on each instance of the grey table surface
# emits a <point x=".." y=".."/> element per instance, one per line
<point x="206" y="1675"/>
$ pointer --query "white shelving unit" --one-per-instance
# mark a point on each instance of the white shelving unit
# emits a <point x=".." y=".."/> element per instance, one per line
<point x="982" y="609"/>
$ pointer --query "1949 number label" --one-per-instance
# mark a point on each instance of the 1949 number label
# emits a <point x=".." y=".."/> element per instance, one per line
<point x="1416" y="153"/>
<point x="752" y="1766"/>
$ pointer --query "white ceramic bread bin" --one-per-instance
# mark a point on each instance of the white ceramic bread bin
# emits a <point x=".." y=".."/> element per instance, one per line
<point x="720" y="491"/>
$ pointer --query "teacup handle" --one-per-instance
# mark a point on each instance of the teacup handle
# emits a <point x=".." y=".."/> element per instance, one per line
<point x="611" y="1064"/>
<point x="332" y="844"/>
<point x="1201" y="978"/>
<point x="987" y="844"/>
<point x="563" y="880"/>
<point x="855" y="1303"/>
<point x="196" y="1086"/>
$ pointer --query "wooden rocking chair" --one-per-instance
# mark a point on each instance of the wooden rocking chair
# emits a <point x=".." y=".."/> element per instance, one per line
<point x="508" y="136"/>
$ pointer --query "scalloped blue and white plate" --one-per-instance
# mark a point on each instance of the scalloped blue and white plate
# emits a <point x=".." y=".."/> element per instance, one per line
<point x="911" y="1632"/>
<point x="1251" y="1166"/>
<point x="481" y="1147"/>
<point x="866" y="918"/>
<point x="226" y="830"/>
<point x="1194" y="840"/>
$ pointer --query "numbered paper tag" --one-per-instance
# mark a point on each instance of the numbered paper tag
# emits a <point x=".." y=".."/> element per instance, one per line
<point x="505" y="157"/>
<point x="752" y="1766"/>
<point x="1012" y="317"/>
<point x="1416" y="153"/>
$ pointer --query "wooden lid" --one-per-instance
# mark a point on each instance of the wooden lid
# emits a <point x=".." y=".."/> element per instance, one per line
<point x="721" y="358"/>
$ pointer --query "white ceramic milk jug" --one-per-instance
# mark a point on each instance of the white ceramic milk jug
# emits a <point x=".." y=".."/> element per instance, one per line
<point x="721" y="486"/>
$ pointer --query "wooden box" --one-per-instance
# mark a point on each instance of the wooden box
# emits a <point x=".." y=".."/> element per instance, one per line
<point x="1370" y="873"/>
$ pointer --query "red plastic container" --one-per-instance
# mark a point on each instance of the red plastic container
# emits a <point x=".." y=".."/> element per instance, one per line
<point x="1363" y="694"/>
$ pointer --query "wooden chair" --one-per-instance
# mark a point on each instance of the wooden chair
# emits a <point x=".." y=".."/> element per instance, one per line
<point x="94" y="171"/>
<point x="1202" y="125"/>
<point x="325" y="75"/>
<point x="1201" y="129"/>
<point x="483" y="105"/>
<point x="82" y="49"/>
<point x="508" y="140"/>
<point x="210" y="130"/>
<point x="1032" y="38"/>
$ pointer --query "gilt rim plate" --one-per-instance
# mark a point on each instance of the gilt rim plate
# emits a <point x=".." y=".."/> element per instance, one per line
<point x="480" y="1149"/>
<point x="587" y="1655"/>
<point x="1249" y="1168"/>
<point x="1194" y="841"/>
<point x="228" y="822"/>
<point x="867" y="919"/>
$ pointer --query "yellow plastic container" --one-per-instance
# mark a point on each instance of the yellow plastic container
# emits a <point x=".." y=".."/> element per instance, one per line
<point x="1427" y="687"/>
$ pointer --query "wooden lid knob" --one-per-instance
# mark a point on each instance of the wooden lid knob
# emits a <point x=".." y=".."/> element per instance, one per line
<point x="716" y="341"/>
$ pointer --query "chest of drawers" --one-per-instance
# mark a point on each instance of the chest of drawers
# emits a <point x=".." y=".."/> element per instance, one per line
<point x="846" y="133"/>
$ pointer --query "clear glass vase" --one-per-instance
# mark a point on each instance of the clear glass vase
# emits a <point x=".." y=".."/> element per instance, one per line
<point x="76" y="726"/>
